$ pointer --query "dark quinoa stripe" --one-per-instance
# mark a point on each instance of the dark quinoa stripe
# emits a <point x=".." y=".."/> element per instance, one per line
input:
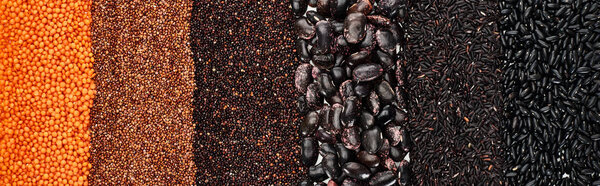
<point x="246" y="130"/>
<point x="142" y="125"/>
<point x="552" y="80"/>
<point x="454" y="95"/>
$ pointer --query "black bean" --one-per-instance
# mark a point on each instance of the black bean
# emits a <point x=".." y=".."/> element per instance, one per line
<point x="356" y="171"/>
<point x="304" y="29"/>
<point x="366" y="120"/>
<point x="344" y="154"/>
<point x="386" y="41"/>
<point x="310" y="123"/>
<point x="310" y="152"/>
<point x="317" y="173"/>
<point x="386" y="115"/>
<point x="325" y="136"/>
<point x="331" y="166"/>
<point x="385" y="92"/>
<point x="385" y="178"/>
<point x="370" y="160"/>
<point x="324" y="34"/>
<point x="351" y="110"/>
<point x="298" y="7"/>
<point x="302" y="77"/>
<point x="324" y="61"/>
<point x="326" y="86"/>
<point x="367" y="72"/>
<point x="372" y="139"/>
<point x="355" y="27"/>
<point x="314" y="17"/>
<point x="350" y="138"/>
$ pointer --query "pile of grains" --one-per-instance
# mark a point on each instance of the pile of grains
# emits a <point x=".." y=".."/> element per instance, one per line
<point x="246" y="125"/>
<point x="142" y="116"/>
<point x="353" y="131"/>
<point x="454" y="95"/>
<point x="46" y="91"/>
<point x="552" y="87"/>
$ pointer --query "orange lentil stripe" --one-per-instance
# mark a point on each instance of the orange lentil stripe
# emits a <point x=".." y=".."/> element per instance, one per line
<point x="46" y="92"/>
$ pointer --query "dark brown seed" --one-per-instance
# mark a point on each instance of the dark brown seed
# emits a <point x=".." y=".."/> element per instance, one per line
<point x="324" y="34"/>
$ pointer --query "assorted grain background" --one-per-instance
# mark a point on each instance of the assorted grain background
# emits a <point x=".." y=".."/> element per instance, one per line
<point x="201" y="92"/>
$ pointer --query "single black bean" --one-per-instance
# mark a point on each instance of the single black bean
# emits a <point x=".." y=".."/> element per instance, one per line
<point x="367" y="72"/>
<point x="356" y="170"/>
<point x="324" y="34"/>
<point x="344" y="154"/>
<point x="370" y="160"/>
<point x="351" y="138"/>
<point x="298" y="7"/>
<point x="317" y="173"/>
<point x="351" y="111"/>
<point x="326" y="86"/>
<point x="355" y="27"/>
<point x="324" y="61"/>
<point x="362" y="6"/>
<point x="372" y="139"/>
<point x="385" y="92"/>
<point x="385" y="178"/>
<point x="331" y="166"/>
<point x="302" y="77"/>
<point x="310" y="123"/>
<point x="304" y="29"/>
<point x="386" y="115"/>
<point x="314" y="17"/>
<point x="310" y="151"/>
<point x="366" y="120"/>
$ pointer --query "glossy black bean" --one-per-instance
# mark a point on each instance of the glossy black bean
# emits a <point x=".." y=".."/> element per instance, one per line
<point x="325" y="136"/>
<point x="366" y="120"/>
<point x="323" y="7"/>
<point x="397" y="154"/>
<point x="302" y="50"/>
<point x="338" y="75"/>
<point x="367" y="72"/>
<point x="324" y="34"/>
<point x="309" y="124"/>
<point x="331" y="166"/>
<point x="358" y="58"/>
<point x="385" y="178"/>
<point x="386" y="41"/>
<point x="385" y="92"/>
<point x="386" y="60"/>
<point x="389" y="7"/>
<point x="363" y="89"/>
<point x="325" y="61"/>
<point x="351" y="111"/>
<point x="336" y="119"/>
<point x="370" y="160"/>
<point x="317" y="173"/>
<point x="314" y="17"/>
<point x="356" y="170"/>
<point x="310" y="151"/>
<point x="326" y="86"/>
<point x="372" y="139"/>
<point x="369" y="42"/>
<point x="355" y="27"/>
<point x="339" y="8"/>
<point x="407" y="142"/>
<point x="327" y="148"/>
<point x="304" y="28"/>
<point x="344" y="154"/>
<point x="386" y="115"/>
<point x="404" y="173"/>
<point x="298" y="7"/>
